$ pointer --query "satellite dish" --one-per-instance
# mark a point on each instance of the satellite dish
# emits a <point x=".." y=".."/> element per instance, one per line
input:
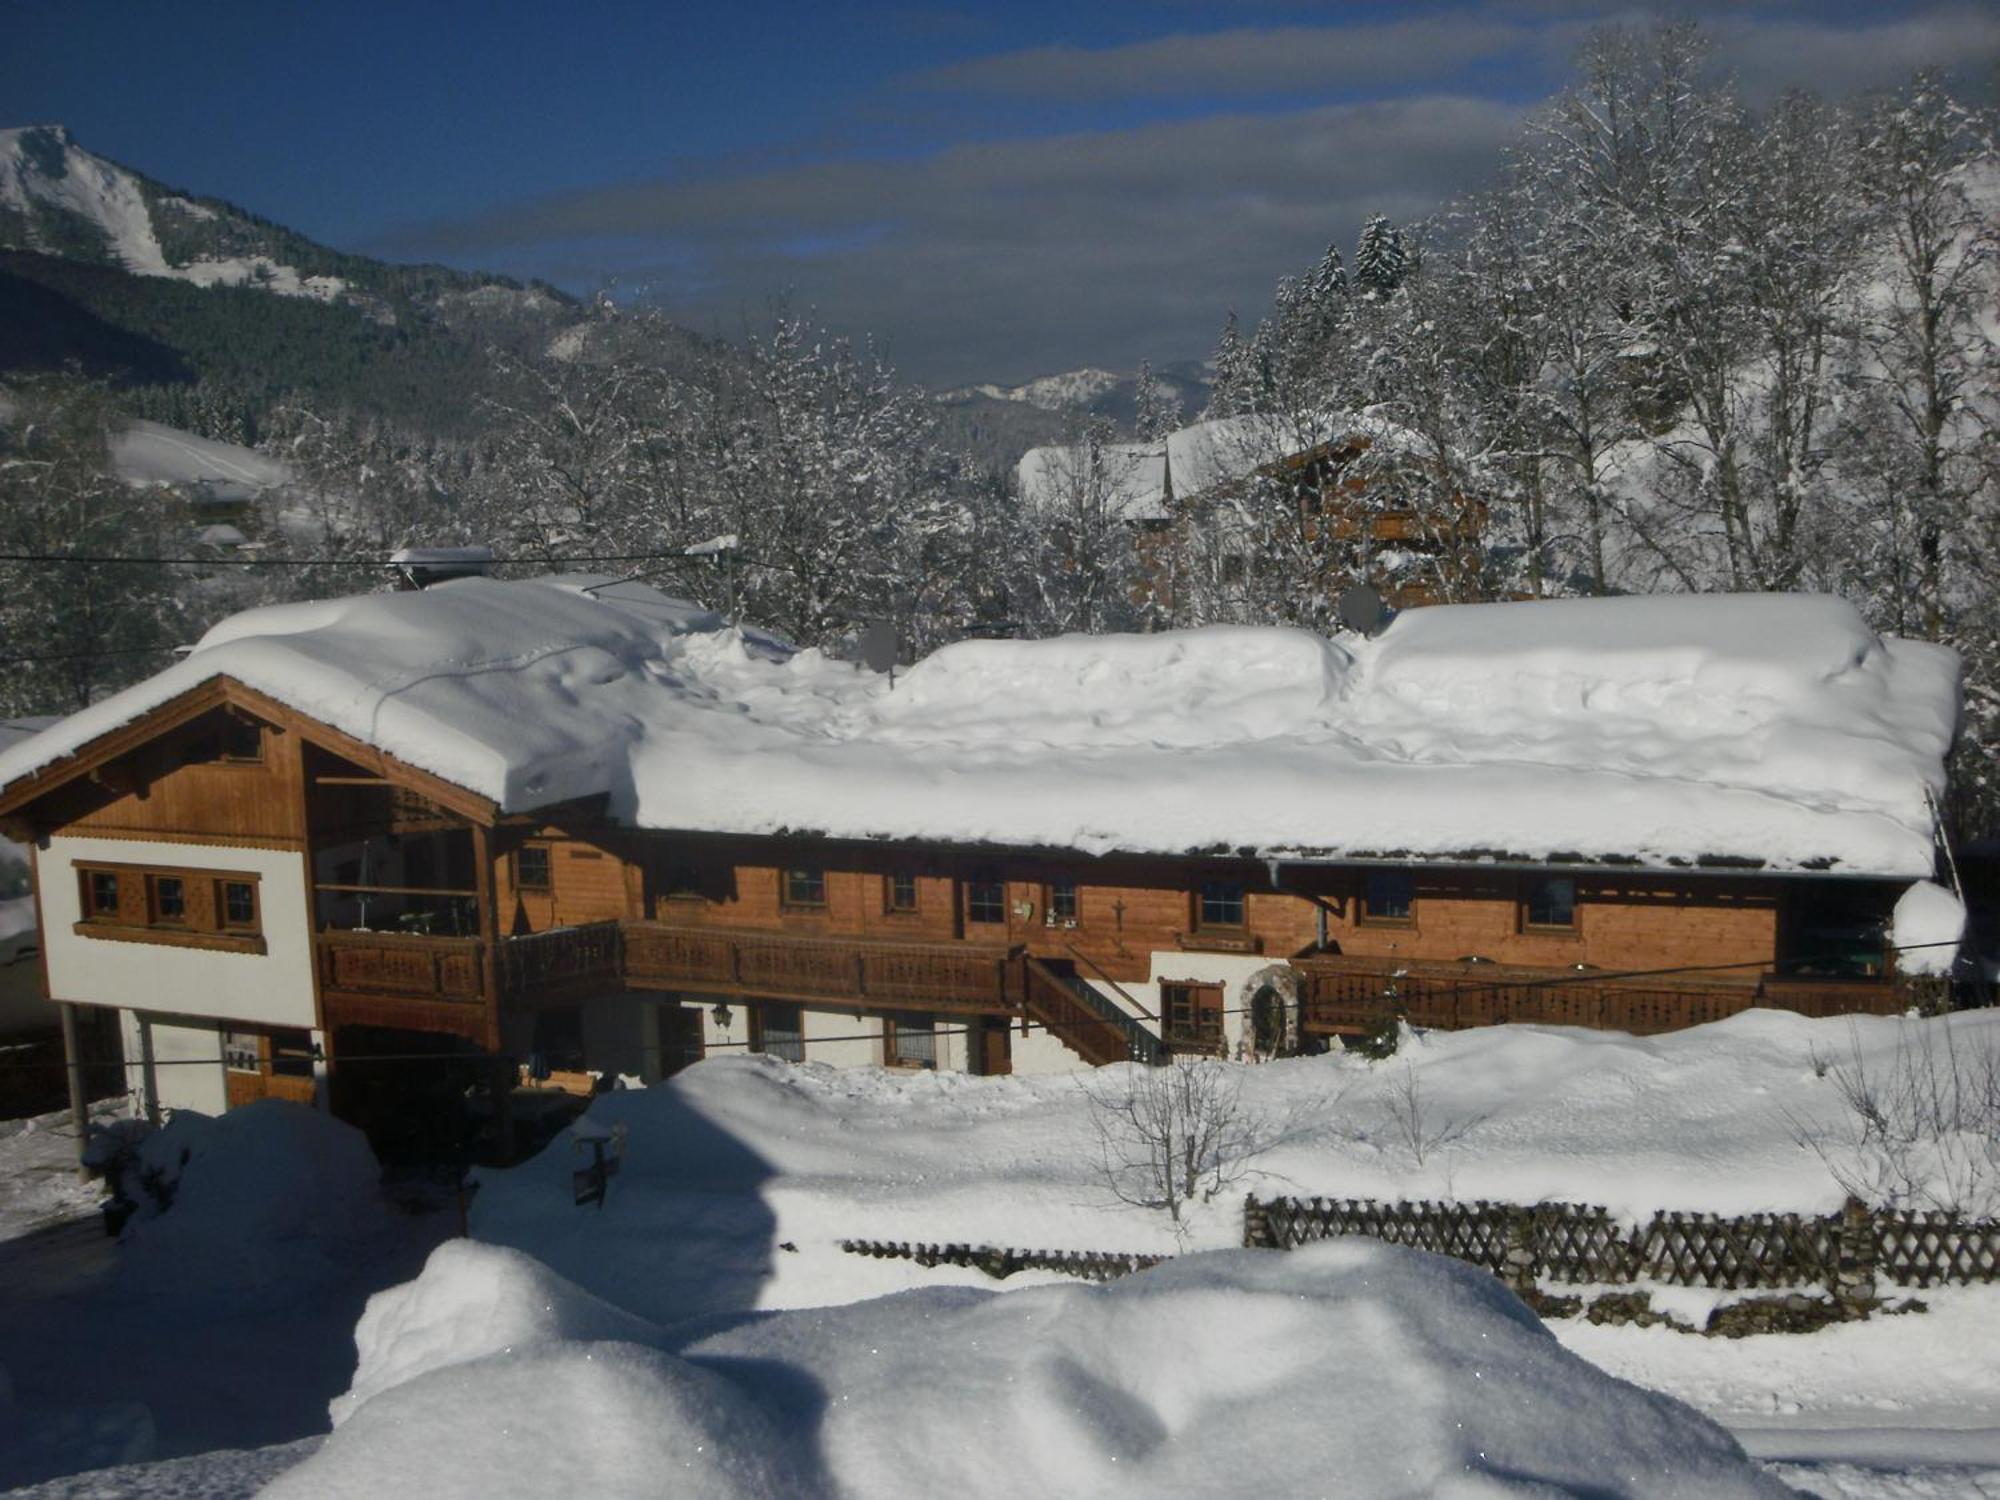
<point x="878" y="646"/>
<point x="1361" y="610"/>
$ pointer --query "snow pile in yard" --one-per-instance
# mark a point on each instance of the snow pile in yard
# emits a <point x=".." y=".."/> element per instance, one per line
<point x="1927" y="928"/>
<point x="1360" y="1367"/>
<point x="271" y="1198"/>
<point x="1772" y="728"/>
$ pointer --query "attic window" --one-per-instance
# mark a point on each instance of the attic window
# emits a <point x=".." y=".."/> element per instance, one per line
<point x="805" y="887"/>
<point x="531" y="867"/>
<point x="1389" y="897"/>
<point x="1550" y="904"/>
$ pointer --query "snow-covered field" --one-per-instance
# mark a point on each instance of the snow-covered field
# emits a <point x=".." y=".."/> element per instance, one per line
<point x="704" y="1322"/>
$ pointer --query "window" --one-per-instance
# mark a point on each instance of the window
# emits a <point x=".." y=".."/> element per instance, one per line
<point x="902" y="893"/>
<point x="169" y="899"/>
<point x="102" y="894"/>
<point x="1062" y="904"/>
<point x="239" y="905"/>
<point x="1388" y="896"/>
<point x="185" y="908"/>
<point x="985" y="901"/>
<point x="242" y="1052"/>
<point x="910" y="1041"/>
<point x="1550" y="902"/>
<point x="778" y="1031"/>
<point x="242" y="741"/>
<point x="1221" y="903"/>
<point x="1193" y="1016"/>
<point x="531" y="868"/>
<point x="805" y="887"/>
<point x="292" y="1054"/>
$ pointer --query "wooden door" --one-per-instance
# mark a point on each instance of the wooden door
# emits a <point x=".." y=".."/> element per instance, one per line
<point x="995" y="1055"/>
<point x="680" y="1038"/>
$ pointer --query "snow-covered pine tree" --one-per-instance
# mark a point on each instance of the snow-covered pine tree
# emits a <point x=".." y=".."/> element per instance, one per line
<point x="1156" y="406"/>
<point x="1234" y="390"/>
<point x="1379" y="257"/>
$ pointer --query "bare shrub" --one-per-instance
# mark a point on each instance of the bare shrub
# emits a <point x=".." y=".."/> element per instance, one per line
<point x="1172" y="1136"/>
<point x="1411" y="1121"/>
<point x="1919" y="1131"/>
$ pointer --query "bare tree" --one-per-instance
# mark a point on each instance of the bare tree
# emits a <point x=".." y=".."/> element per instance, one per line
<point x="1173" y="1136"/>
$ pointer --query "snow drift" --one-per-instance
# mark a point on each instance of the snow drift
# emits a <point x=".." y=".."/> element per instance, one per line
<point x="1349" y="1366"/>
<point x="1772" y="729"/>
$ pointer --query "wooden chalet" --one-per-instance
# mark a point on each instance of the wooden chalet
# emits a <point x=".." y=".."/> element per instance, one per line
<point x="278" y="908"/>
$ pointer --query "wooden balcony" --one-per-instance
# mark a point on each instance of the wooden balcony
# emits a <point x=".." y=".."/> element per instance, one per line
<point x="396" y="980"/>
<point x="563" y="963"/>
<point x="848" y="971"/>
<point x="1349" y="995"/>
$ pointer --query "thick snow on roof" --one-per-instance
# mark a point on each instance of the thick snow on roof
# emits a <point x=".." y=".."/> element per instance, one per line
<point x="1772" y="728"/>
<point x="1135" y="477"/>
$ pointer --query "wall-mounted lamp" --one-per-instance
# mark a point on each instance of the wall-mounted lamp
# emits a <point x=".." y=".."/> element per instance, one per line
<point x="720" y="1015"/>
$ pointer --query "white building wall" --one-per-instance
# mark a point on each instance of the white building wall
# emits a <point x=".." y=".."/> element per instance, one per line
<point x="273" y="988"/>
<point x="187" y="1061"/>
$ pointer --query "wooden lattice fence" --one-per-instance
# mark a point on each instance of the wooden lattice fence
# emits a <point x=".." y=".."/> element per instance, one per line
<point x="1581" y="1244"/>
<point x="995" y="1261"/>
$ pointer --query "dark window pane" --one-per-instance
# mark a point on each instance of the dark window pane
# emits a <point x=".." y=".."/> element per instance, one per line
<point x="781" y="1032"/>
<point x="1390" y="895"/>
<point x="913" y="1042"/>
<point x="531" y="867"/>
<point x="103" y="893"/>
<point x="1552" y="902"/>
<point x="1062" y="900"/>
<point x="805" y="887"/>
<point x="242" y="741"/>
<point x="291" y="1054"/>
<point x="239" y="903"/>
<point x="169" y="899"/>
<point x="1222" y="903"/>
<point x="902" y="893"/>
<point x="986" y="901"/>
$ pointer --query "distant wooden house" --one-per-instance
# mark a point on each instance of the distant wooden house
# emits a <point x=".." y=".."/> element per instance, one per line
<point x="1355" y="494"/>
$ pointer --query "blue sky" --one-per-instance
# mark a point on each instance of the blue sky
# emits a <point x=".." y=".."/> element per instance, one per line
<point x="998" y="191"/>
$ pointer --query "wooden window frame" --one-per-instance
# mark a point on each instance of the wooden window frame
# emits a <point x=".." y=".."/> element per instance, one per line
<point x="547" y="885"/>
<point x="893" y="1027"/>
<point x="1363" y="917"/>
<point x="1198" y="999"/>
<point x="891" y="907"/>
<point x="759" y="1028"/>
<point x="222" y="917"/>
<point x="1571" y="928"/>
<point x="1051" y="917"/>
<point x="972" y="887"/>
<point x="156" y="900"/>
<point x="201" y="924"/>
<point x="787" y="897"/>
<point x="1202" y="921"/>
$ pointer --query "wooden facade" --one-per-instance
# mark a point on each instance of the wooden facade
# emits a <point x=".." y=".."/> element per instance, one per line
<point x="434" y="916"/>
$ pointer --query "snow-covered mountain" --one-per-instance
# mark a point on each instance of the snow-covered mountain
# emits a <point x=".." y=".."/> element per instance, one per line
<point x="59" y="199"/>
<point x="1050" y="392"/>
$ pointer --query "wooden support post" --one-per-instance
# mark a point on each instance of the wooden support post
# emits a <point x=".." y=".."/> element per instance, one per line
<point x="79" y="1110"/>
<point x="149" y="1073"/>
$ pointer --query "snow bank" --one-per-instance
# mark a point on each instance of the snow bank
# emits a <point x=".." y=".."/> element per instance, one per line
<point x="1928" y="925"/>
<point x="1357" y="1366"/>
<point x="1765" y="728"/>
<point x="270" y="1198"/>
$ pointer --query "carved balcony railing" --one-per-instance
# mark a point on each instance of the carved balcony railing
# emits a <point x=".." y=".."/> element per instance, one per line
<point x="851" y="971"/>
<point x="563" y="960"/>
<point x="397" y="966"/>
<point x="1339" y="993"/>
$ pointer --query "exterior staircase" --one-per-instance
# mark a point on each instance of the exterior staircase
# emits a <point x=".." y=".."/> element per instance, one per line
<point x="1083" y="1020"/>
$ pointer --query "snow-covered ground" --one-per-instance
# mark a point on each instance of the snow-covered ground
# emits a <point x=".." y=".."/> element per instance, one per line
<point x="708" y="1295"/>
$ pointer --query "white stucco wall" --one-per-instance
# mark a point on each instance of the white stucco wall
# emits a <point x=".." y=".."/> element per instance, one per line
<point x="187" y="1062"/>
<point x="273" y="988"/>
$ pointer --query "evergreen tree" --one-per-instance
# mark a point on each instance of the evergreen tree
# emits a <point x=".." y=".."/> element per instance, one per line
<point x="1379" y="257"/>
<point x="1156" y="408"/>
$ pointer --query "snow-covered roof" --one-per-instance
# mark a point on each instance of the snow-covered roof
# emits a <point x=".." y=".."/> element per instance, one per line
<point x="1769" y="728"/>
<point x="1136" y="476"/>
